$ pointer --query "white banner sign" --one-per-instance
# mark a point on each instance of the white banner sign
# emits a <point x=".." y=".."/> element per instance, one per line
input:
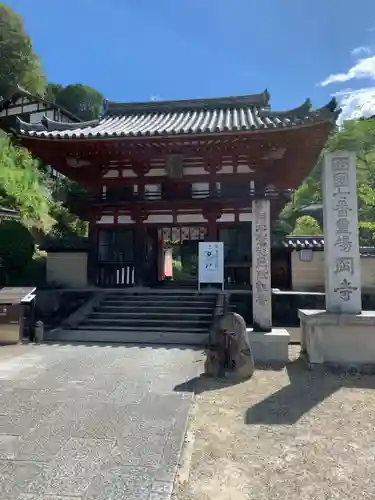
<point x="211" y="262"/>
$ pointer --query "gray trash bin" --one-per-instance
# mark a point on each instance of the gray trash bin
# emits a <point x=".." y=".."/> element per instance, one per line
<point x="13" y="301"/>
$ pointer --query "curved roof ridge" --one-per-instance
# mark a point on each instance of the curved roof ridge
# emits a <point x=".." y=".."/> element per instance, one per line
<point x="54" y="125"/>
<point x="329" y="109"/>
<point x="30" y="127"/>
<point x="113" y="107"/>
<point x="298" y="112"/>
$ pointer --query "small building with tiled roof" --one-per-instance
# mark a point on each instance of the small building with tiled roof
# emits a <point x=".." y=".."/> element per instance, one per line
<point x="21" y="104"/>
<point x="182" y="171"/>
<point x="8" y="213"/>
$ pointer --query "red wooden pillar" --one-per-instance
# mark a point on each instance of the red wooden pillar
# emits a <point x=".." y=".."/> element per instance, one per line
<point x="212" y="230"/>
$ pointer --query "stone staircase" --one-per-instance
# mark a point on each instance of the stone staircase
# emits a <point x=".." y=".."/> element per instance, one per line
<point x="160" y="317"/>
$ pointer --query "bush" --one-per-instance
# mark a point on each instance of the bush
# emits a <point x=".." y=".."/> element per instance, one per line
<point x="16" y="250"/>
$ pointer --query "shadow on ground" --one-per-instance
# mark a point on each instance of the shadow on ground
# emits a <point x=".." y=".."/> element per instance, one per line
<point x="203" y="383"/>
<point x="307" y="389"/>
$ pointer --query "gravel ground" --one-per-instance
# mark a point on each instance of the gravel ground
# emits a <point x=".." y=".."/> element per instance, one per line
<point x="289" y="434"/>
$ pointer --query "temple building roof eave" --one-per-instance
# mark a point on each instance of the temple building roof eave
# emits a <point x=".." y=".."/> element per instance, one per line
<point x="39" y="133"/>
<point x="186" y="118"/>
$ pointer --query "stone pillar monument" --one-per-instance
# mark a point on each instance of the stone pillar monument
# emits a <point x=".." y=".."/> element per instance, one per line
<point x="261" y="266"/>
<point x="342" y="334"/>
<point x="267" y="344"/>
<point x="341" y="244"/>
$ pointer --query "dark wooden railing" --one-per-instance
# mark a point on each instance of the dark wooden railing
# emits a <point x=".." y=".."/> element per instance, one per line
<point x="111" y="274"/>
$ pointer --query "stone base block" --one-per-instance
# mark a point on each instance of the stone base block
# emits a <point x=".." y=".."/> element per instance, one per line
<point x="341" y="340"/>
<point x="269" y="347"/>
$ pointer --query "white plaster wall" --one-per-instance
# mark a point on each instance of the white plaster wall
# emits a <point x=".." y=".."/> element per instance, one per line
<point x="245" y="217"/>
<point x="36" y="117"/>
<point x="13" y="111"/>
<point x="67" y="268"/>
<point x="125" y="219"/>
<point x="111" y="174"/>
<point x="310" y="275"/>
<point x="106" y="219"/>
<point x="198" y="187"/>
<point x="160" y="218"/>
<point x="227" y="218"/>
<point x="128" y="172"/>
<point x="187" y="218"/>
<point x="155" y="172"/>
<point x="29" y="108"/>
<point x="195" y="171"/>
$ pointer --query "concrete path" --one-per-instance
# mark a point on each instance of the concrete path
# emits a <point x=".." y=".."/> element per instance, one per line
<point x="92" y="422"/>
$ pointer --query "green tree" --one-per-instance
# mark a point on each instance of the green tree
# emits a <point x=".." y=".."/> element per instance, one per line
<point x="19" y="64"/>
<point x="81" y="100"/>
<point x="23" y="185"/>
<point x="67" y="224"/>
<point x="52" y="91"/>
<point x="358" y="136"/>
<point x="307" y="226"/>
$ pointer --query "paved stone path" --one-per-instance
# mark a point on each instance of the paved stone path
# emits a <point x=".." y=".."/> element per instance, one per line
<point x="92" y="422"/>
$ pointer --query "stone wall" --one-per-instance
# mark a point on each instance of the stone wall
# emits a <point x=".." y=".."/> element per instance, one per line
<point x="309" y="276"/>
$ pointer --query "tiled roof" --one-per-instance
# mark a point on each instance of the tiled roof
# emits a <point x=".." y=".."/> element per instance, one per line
<point x="304" y="242"/>
<point x="197" y="116"/>
<point x="8" y="213"/>
<point x="317" y="243"/>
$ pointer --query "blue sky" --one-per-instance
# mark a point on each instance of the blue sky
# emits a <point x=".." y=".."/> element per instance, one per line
<point x="175" y="49"/>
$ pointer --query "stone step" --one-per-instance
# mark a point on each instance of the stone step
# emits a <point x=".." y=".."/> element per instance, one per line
<point x="129" y="337"/>
<point x="161" y="297"/>
<point x="161" y="293"/>
<point x="147" y="323"/>
<point x="148" y="308"/>
<point x="123" y="328"/>
<point x="157" y="303"/>
<point x="151" y="314"/>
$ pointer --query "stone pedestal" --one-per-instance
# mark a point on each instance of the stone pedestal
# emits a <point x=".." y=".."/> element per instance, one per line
<point x="269" y="347"/>
<point x="342" y="335"/>
<point x="342" y="340"/>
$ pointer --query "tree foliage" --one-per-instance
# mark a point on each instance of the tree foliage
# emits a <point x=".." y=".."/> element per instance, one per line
<point x="307" y="226"/>
<point x="358" y="136"/>
<point x="81" y="100"/>
<point x="23" y="185"/>
<point x="19" y="64"/>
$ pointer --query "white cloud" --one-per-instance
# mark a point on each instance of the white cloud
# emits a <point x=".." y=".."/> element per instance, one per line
<point x="356" y="103"/>
<point x="361" y="50"/>
<point x="364" y="68"/>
